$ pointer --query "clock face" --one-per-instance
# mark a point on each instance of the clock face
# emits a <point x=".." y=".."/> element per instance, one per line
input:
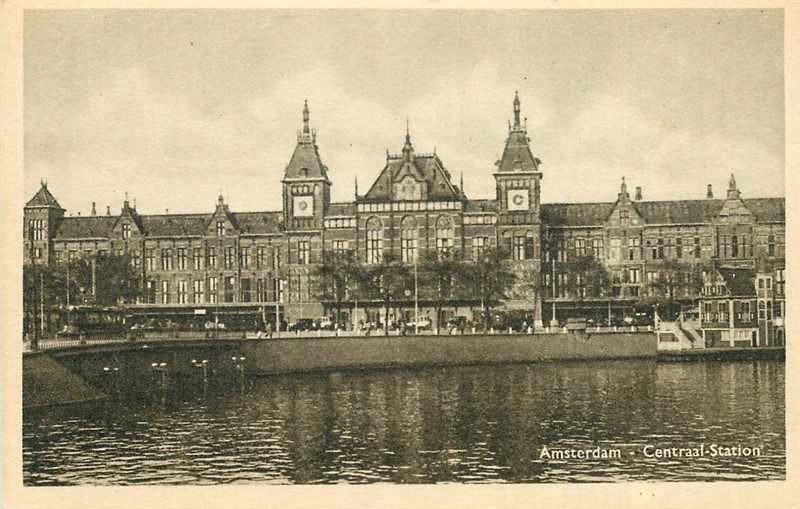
<point x="303" y="206"/>
<point x="518" y="199"/>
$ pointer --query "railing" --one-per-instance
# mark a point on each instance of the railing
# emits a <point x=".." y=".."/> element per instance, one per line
<point x="61" y="342"/>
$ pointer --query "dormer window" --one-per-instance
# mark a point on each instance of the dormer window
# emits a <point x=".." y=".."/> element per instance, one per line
<point x="304" y="172"/>
<point x="126" y="231"/>
<point x="220" y="228"/>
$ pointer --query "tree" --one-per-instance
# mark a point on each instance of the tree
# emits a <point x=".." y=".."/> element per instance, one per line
<point x="440" y="272"/>
<point x="588" y="277"/>
<point x="674" y="277"/>
<point x="488" y="279"/>
<point x="40" y="289"/>
<point x="387" y="281"/>
<point x="338" y="277"/>
<point x="103" y="279"/>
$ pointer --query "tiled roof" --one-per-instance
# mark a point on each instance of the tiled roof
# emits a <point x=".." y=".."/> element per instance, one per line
<point x="85" y="227"/>
<point x="738" y="281"/>
<point x="259" y="222"/>
<point x="576" y="214"/>
<point x="678" y="211"/>
<point x="767" y="209"/>
<point x="480" y="206"/>
<point x="517" y="154"/>
<point x="341" y="209"/>
<point x="659" y="212"/>
<point x="175" y="224"/>
<point x="306" y="157"/>
<point x="429" y="167"/>
<point x="43" y="198"/>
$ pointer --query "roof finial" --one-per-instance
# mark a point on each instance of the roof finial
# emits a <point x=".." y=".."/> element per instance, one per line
<point x="461" y="183"/>
<point x="623" y="188"/>
<point x="356" y="185"/>
<point x="305" y="117"/>
<point x="732" y="183"/>
<point x="516" y="108"/>
<point x="43" y="182"/>
<point x="408" y="131"/>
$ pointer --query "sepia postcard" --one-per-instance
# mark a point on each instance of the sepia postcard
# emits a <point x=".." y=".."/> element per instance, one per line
<point x="437" y="256"/>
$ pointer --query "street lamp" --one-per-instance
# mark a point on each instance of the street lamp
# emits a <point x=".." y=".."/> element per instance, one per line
<point x="239" y="365"/>
<point x="203" y="364"/>
<point x="160" y="367"/>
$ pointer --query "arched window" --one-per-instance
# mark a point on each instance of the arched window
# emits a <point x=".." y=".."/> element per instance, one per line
<point x="374" y="240"/>
<point x="444" y="234"/>
<point x="408" y="239"/>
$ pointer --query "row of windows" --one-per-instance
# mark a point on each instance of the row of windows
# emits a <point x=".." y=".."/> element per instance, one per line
<point x="480" y="219"/>
<point x="264" y="290"/>
<point x="409" y="206"/>
<point x="36" y="229"/>
<point x="349" y="222"/>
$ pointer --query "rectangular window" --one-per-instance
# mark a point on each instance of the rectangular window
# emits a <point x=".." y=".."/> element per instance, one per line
<point x="261" y="257"/>
<point x="697" y="247"/>
<point x="136" y="258"/>
<point x="245" y="257"/>
<point x="518" y="247"/>
<point x="634" y="245"/>
<point x="150" y="292"/>
<point x="197" y="258"/>
<point x="198" y="291"/>
<point x="597" y="248"/>
<point x="624" y="216"/>
<point x="166" y="259"/>
<point x="150" y="259"/>
<point x="244" y="285"/>
<point x="230" y="283"/>
<point x="340" y="246"/>
<point x="408" y="250"/>
<point x="294" y="288"/>
<point x="212" y="290"/>
<point x="182" y="291"/>
<point x="181" y="258"/>
<point x="126" y="231"/>
<point x="580" y="247"/>
<point x="230" y="256"/>
<point x="276" y="258"/>
<point x="633" y="276"/>
<point x="373" y="246"/>
<point x="220" y="228"/>
<point x="212" y="259"/>
<point x="261" y="290"/>
<point x="165" y="291"/>
<point x="616" y="249"/>
<point x="734" y="246"/>
<point x="478" y="245"/>
<point x="303" y="252"/>
<point x="771" y="245"/>
<point x="679" y="248"/>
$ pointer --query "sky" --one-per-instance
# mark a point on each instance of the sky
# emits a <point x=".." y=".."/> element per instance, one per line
<point x="175" y="107"/>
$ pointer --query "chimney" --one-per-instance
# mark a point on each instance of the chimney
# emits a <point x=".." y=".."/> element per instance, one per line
<point x="94" y="210"/>
<point x="108" y="210"/>
<point x="638" y="196"/>
<point x="709" y="192"/>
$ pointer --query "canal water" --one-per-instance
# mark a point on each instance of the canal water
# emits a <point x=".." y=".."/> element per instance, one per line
<point x="454" y="424"/>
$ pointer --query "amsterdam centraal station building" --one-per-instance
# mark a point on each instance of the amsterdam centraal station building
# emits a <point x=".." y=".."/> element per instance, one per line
<point x="242" y="264"/>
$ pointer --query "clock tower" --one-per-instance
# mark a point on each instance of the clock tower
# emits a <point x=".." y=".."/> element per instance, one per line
<point x="306" y="187"/>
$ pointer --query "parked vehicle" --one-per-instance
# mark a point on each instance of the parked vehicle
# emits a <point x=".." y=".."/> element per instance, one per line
<point x="423" y="323"/>
<point x="215" y="325"/>
<point x="303" y="324"/>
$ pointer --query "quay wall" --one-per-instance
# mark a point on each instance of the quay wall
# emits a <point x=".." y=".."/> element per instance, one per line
<point x="125" y="368"/>
<point x="287" y="355"/>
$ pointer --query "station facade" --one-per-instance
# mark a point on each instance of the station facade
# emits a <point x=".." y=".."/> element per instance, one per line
<point x="261" y="264"/>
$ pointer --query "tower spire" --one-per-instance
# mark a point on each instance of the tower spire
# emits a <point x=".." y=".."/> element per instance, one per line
<point x="408" y="149"/>
<point x="516" y="109"/>
<point x="305" y="117"/>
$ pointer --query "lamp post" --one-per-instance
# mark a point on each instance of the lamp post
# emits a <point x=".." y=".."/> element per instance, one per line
<point x="160" y="367"/>
<point x="202" y="364"/>
<point x="238" y="361"/>
<point x="416" y="300"/>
